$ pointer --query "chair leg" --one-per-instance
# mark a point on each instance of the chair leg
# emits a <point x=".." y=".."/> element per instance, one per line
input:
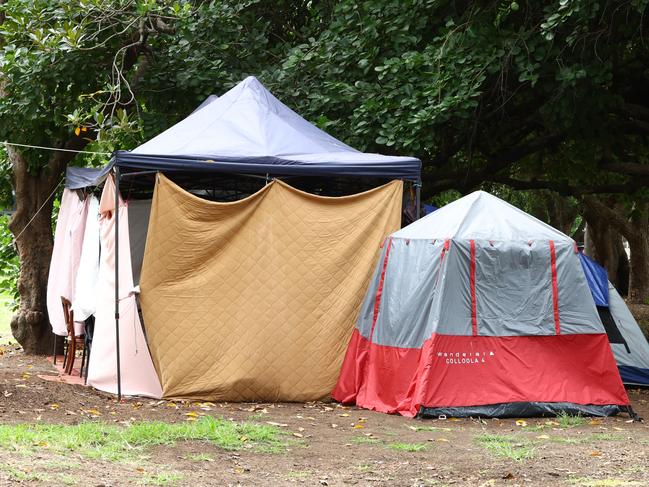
<point x="72" y="351"/>
<point x="54" y="353"/>
<point x="65" y="352"/>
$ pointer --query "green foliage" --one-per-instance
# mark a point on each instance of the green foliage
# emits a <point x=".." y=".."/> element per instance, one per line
<point x="62" y="69"/>
<point x="6" y="192"/>
<point x="9" y="263"/>
<point x="455" y="85"/>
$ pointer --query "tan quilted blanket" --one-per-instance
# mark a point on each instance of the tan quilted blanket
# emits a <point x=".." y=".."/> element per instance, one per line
<point x="255" y="300"/>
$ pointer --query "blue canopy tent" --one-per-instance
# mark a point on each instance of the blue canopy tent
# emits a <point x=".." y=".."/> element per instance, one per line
<point x="247" y="132"/>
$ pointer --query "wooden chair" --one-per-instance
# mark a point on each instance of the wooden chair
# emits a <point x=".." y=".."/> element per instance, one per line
<point x="73" y="342"/>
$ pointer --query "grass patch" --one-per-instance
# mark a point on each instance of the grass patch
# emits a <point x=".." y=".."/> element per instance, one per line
<point x="536" y="428"/>
<point x="607" y="437"/>
<point x="61" y="464"/>
<point x="160" y="478"/>
<point x="566" y="420"/>
<point x="581" y="440"/>
<point x="23" y="475"/>
<point x="516" y="449"/>
<point x="201" y="457"/>
<point x="68" y="479"/>
<point x="409" y="447"/>
<point x="115" y="443"/>
<point x="588" y="482"/>
<point x="430" y="428"/>
<point x="298" y="474"/>
<point x="568" y="440"/>
<point x="365" y="440"/>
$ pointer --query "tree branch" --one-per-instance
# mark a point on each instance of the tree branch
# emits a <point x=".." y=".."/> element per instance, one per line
<point x="592" y="205"/>
<point x="627" y="168"/>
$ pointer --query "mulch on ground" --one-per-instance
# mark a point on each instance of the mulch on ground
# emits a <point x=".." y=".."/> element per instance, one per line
<point x="326" y="444"/>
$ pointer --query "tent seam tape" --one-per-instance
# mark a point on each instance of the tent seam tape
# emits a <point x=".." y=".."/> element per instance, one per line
<point x="474" y="317"/>
<point x="379" y="292"/>
<point x="555" y="289"/>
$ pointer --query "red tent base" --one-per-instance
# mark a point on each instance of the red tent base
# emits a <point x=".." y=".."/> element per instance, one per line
<point x="470" y="371"/>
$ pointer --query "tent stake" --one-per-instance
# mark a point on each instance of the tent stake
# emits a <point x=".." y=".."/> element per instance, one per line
<point x="119" y="372"/>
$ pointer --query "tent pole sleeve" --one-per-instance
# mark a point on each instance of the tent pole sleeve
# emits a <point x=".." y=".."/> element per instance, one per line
<point x="418" y="198"/>
<point x="119" y="372"/>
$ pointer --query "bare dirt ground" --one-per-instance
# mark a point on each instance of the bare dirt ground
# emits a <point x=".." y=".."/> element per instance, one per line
<point x="324" y="444"/>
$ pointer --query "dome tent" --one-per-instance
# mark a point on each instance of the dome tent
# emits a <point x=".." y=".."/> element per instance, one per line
<point x="628" y="343"/>
<point x="480" y="309"/>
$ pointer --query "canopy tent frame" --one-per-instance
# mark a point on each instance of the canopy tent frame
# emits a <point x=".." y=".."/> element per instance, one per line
<point x="117" y="175"/>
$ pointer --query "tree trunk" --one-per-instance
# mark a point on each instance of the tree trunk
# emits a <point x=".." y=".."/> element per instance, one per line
<point x="639" y="268"/>
<point x="636" y="232"/>
<point x="605" y="245"/>
<point x="32" y="227"/>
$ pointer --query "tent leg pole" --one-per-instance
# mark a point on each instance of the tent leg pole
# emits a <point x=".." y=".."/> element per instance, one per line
<point x="119" y="372"/>
<point x="418" y="198"/>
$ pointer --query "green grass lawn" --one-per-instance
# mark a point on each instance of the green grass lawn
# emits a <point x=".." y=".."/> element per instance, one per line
<point x="5" y="318"/>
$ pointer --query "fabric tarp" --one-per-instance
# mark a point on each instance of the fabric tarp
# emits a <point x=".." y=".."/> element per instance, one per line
<point x="138" y="376"/>
<point x="256" y="299"/>
<point x="66" y="254"/>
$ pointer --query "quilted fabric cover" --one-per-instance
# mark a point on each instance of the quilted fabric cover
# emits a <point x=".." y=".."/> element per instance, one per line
<point x="256" y="300"/>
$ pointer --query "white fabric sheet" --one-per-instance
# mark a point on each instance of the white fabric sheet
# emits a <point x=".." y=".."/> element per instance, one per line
<point x="85" y="293"/>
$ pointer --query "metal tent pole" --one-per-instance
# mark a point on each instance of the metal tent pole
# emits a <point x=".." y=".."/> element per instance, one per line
<point x="418" y="198"/>
<point x="119" y="371"/>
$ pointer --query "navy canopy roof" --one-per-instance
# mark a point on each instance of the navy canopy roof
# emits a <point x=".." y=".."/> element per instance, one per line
<point x="249" y="131"/>
<point x="84" y="177"/>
